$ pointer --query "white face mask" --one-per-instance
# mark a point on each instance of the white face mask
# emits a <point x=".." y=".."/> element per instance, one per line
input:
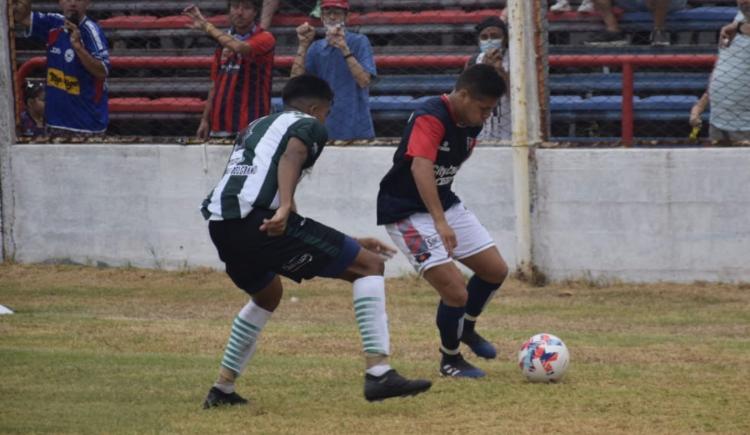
<point x="485" y="46"/>
<point x="333" y="25"/>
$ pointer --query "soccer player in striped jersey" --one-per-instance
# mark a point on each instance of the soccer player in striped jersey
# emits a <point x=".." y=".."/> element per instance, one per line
<point x="430" y="225"/>
<point x="259" y="236"/>
<point x="241" y="70"/>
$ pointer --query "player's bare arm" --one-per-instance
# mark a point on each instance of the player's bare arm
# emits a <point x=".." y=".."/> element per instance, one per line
<point x="22" y="12"/>
<point x="226" y="40"/>
<point x="290" y="168"/>
<point x="94" y="66"/>
<point x="424" y="177"/>
<point x="305" y="36"/>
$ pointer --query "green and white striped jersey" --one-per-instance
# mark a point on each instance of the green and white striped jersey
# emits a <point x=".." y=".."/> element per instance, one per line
<point x="251" y="177"/>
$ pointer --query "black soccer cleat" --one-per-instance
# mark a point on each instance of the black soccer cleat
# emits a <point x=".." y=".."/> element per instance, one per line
<point x="391" y="384"/>
<point x="216" y="397"/>
<point x="455" y="366"/>
<point x="481" y="347"/>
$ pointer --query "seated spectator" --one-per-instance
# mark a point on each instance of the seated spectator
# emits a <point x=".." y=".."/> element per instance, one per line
<point x="32" y="118"/>
<point x="77" y="67"/>
<point x="586" y="6"/>
<point x="241" y="71"/>
<point x="345" y="60"/>
<point x="614" y="36"/>
<point x="729" y="88"/>
<point x="492" y="36"/>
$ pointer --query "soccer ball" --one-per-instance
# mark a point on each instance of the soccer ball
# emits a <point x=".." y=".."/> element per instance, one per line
<point x="543" y="358"/>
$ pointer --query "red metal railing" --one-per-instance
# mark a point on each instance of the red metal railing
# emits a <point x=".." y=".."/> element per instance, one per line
<point x="627" y="62"/>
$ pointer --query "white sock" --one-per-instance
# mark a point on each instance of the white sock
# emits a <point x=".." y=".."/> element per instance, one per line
<point x="242" y="342"/>
<point x="369" y="309"/>
<point x="378" y="370"/>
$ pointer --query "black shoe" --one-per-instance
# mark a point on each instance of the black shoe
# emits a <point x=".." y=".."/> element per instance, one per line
<point x="216" y="397"/>
<point x="455" y="366"/>
<point x="480" y="346"/>
<point x="608" y="39"/>
<point x="391" y="384"/>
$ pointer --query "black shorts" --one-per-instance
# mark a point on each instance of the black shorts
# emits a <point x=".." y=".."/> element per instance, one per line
<point x="307" y="249"/>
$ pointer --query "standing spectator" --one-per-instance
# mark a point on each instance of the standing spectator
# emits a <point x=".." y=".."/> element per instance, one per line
<point x="241" y="71"/>
<point x="586" y="6"/>
<point x="32" y="118"/>
<point x="729" y="88"/>
<point x="614" y="36"/>
<point x="492" y="34"/>
<point x="345" y="60"/>
<point x="77" y="66"/>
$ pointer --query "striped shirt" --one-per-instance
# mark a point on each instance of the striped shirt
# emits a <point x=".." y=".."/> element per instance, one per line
<point x="242" y="83"/>
<point x="251" y="176"/>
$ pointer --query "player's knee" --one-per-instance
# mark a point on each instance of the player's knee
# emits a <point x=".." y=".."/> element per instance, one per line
<point x="457" y="298"/>
<point x="373" y="266"/>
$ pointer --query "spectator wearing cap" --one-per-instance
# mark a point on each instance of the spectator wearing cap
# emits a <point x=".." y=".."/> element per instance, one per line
<point x="345" y="60"/>
<point x="729" y="88"/>
<point x="492" y="36"/>
<point x="76" y="100"/>
<point x="613" y="36"/>
<point x="32" y="118"/>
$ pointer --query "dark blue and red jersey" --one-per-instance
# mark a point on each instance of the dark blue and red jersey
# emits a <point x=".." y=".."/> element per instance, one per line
<point x="242" y="83"/>
<point x="431" y="133"/>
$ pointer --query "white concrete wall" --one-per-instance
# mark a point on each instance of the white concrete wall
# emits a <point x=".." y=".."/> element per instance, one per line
<point x="634" y="215"/>
<point x="644" y="215"/>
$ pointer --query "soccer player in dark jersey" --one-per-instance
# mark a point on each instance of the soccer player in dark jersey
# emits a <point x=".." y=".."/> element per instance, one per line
<point x="241" y="70"/>
<point x="259" y="236"/>
<point x="429" y="223"/>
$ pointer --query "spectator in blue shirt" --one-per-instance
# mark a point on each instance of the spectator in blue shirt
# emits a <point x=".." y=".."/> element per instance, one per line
<point x="345" y="60"/>
<point x="77" y="66"/>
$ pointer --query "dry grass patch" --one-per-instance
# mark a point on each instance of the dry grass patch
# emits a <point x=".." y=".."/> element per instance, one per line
<point x="133" y="351"/>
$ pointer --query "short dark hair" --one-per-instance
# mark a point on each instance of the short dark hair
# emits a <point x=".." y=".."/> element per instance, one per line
<point x="481" y="81"/>
<point x="254" y="3"/>
<point x="492" y="21"/>
<point x="306" y="86"/>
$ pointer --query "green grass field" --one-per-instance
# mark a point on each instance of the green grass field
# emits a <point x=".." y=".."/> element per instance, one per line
<point x="134" y="351"/>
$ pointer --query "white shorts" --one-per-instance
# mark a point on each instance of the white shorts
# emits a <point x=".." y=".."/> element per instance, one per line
<point x="417" y="238"/>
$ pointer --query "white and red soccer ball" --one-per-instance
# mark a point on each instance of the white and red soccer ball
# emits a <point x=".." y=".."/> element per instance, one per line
<point x="543" y="358"/>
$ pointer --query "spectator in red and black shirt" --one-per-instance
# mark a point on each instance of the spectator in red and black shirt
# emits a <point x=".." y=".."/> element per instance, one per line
<point x="241" y="71"/>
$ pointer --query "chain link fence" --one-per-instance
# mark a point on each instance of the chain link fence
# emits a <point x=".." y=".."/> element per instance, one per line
<point x="636" y="84"/>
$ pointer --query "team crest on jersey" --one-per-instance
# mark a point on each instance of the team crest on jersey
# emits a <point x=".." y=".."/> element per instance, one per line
<point x="445" y="147"/>
<point x="69" y="55"/>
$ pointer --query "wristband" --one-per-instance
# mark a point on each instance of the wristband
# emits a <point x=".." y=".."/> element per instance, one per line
<point x="348" y="56"/>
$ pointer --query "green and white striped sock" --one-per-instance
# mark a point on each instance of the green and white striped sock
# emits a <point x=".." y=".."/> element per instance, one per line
<point x="245" y="331"/>
<point x="369" y="309"/>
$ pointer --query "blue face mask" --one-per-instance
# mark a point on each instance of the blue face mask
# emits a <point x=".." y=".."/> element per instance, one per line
<point x="485" y="46"/>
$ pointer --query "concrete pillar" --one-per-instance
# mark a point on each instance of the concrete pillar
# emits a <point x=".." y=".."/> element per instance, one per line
<point x="7" y="135"/>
